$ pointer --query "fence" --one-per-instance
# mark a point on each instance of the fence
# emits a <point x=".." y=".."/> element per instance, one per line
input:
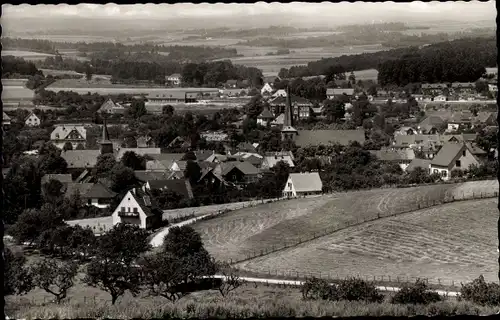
<point x="289" y="244"/>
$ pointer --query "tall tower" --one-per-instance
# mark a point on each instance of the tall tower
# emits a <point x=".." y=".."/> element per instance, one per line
<point x="288" y="131"/>
<point x="106" y="144"/>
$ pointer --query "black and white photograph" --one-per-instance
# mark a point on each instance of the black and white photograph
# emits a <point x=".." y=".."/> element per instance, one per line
<point x="250" y="160"/>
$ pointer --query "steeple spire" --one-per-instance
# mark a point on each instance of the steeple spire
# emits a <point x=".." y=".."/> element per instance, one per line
<point x="288" y="109"/>
<point x="105" y="133"/>
<point x="106" y="144"/>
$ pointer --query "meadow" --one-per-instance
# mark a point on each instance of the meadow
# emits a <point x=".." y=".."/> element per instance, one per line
<point x="246" y="233"/>
<point x="250" y="300"/>
<point x="452" y="243"/>
<point x="16" y="93"/>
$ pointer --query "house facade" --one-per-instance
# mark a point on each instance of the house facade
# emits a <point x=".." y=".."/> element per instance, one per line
<point x="32" y="120"/>
<point x="332" y="93"/>
<point x="73" y="134"/>
<point x="266" y="89"/>
<point x="303" y="184"/>
<point x="452" y="156"/>
<point x="136" y="209"/>
<point x="174" y="79"/>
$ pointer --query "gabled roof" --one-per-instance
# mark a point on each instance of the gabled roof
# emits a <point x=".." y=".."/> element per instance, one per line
<point x="181" y="164"/>
<point x="474" y="149"/>
<point x="460" y="117"/>
<point x="232" y="81"/>
<point x="280" y="120"/>
<point x="447" y="154"/>
<point x="246" y="147"/>
<point x="418" y="163"/>
<point x="180" y="186"/>
<point x="270" y="79"/>
<point x="109" y="105"/>
<point x="394" y="155"/>
<point x="61" y="132"/>
<point x="163" y="160"/>
<point x="81" y="188"/>
<point x="432" y="120"/>
<point x="151" y="175"/>
<point x="138" y="151"/>
<point x="77" y="159"/>
<point x="245" y="167"/>
<point x="5" y="117"/>
<point x="63" y="178"/>
<point x="202" y="155"/>
<point x="483" y="116"/>
<point x="99" y="191"/>
<point x="31" y="114"/>
<point x="306" y="182"/>
<point x="325" y="137"/>
<point x="434" y="85"/>
<point x="271" y="161"/>
<point x="175" y="75"/>
<point x="266" y="114"/>
<point x="339" y="91"/>
<point x="296" y="100"/>
<point x="143" y="199"/>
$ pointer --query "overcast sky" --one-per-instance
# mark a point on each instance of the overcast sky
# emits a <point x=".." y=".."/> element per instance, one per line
<point x="372" y="11"/>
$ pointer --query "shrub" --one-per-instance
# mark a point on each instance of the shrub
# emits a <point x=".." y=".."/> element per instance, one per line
<point x="355" y="289"/>
<point x="315" y="289"/>
<point x="480" y="292"/>
<point x="416" y="293"/>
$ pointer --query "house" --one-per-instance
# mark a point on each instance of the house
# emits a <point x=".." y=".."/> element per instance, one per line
<point x="214" y="136"/>
<point x="137" y="208"/>
<point x="303" y="184"/>
<point x="493" y="88"/>
<point x="279" y="93"/>
<point x="145" y="142"/>
<point x="452" y="156"/>
<point x="476" y="151"/>
<point x="419" y="163"/>
<point x="279" y="121"/>
<point x="145" y="176"/>
<point x="73" y="188"/>
<point x="179" y="186"/>
<point x="202" y="155"/>
<point x="254" y="158"/>
<point x="302" y="108"/>
<point x="231" y="83"/>
<point x="98" y="196"/>
<point x="486" y="118"/>
<point x="32" y="120"/>
<point x="6" y="121"/>
<point x="111" y="107"/>
<point x="76" y="135"/>
<point x="463" y="87"/>
<point x="460" y="119"/>
<point x="179" y="165"/>
<point x="271" y="161"/>
<point x="162" y="161"/>
<point x="440" y="98"/>
<point x="332" y="93"/>
<point x="179" y="143"/>
<point x="138" y="151"/>
<point x="405" y="131"/>
<point x="433" y="89"/>
<point x="402" y="157"/>
<point x="246" y="147"/>
<point x="174" y="79"/>
<point x="430" y="125"/>
<point x="265" y="117"/>
<point x="266" y="89"/>
<point x="237" y="172"/>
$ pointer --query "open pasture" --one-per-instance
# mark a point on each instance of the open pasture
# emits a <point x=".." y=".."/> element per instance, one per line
<point x="27" y="55"/>
<point x="453" y="242"/>
<point x="248" y="232"/>
<point x="17" y="93"/>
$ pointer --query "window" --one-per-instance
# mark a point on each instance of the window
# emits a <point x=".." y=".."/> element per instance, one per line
<point x="135" y="210"/>
<point x="457" y="163"/>
<point x="289" y="185"/>
<point x="463" y="153"/>
<point x="436" y="171"/>
<point x="444" y="173"/>
<point x="123" y="209"/>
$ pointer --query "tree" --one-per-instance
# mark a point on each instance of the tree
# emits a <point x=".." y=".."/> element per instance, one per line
<point x="168" y="110"/>
<point x="137" y="109"/>
<point x="352" y="78"/>
<point x="123" y="243"/>
<point x="32" y="222"/>
<point x="55" y="277"/>
<point x="231" y="280"/>
<point x="80" y="147"/>
<point x="122" y="178"/>
<point x="192" y="172"/>
<point x="88" y="72"/>
<point x="16" y="277"/>
<point x="133" y="161"/>
<point x="334" y="110"/>
<point x="189" y="156"/>
<point x="67" y="146"/>
<point x="83" y="241"/>
<point x="53" y="191"/>
<point x="182" y="241"/>
<point x="104" y="165"/>
<point x="52" y="163"/>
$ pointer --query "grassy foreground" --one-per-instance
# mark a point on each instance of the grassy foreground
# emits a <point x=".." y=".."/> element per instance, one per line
<point x="250" y="300"/>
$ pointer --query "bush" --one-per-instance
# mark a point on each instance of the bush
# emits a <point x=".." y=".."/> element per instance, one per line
<point x="480" y="292"/>
<point x="352" y="289"/>
<point x="416" y="293"/>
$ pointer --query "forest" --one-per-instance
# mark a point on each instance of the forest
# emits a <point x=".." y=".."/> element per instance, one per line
<point x="13" y="66"/>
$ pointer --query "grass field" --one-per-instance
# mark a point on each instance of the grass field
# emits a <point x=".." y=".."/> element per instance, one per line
<point x="28" y="55"/>
<point x="247" y="232"/>
<point x="250" y="300"/>
<point x="16" y="93"/>
<point x="453" y="242"/>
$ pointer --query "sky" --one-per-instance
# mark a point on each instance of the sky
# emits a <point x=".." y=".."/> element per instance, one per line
<point x="452" y="9"/>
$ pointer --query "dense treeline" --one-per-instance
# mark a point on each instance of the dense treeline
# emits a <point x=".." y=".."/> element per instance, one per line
<point x="44" y="46"/>
<point x="483" y="51"/>
<point x="216" y="73"/>
<point x="12" y="65"/>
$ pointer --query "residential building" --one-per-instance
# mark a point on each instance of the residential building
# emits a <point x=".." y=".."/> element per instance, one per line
<point x="214" y="136"/>
<point x="237" y="172"/>
<point x="265" y="117"/>
<point x="111" y="107"/>
<point x="216" y="158"/>
<point x="138" y="151"/>
<point x="405" y="131"/>
<point x="174" y="79"/>
<point x="302" y="108"/>
<point x="460" y="120"/>
<point x="180" y="186"/>
<point x="32" y="120"/>
<point x="98" y="196"/>
<point x="270" y="80"/>
<point x="485" y="118"/>
<point x="271" y="161"/>
<point x="266" y="89"/>
<point x="252" y="157"/>
<point x="419" y="163"/>
<point x="430" y="125"/>
<point x="162" y="161"/>
<point x="231" y="83"/>
<point x="76" y="135"/>
<point x="440" y="98"/>
<point x="180" y="143"/>
<point x="463" y="87"/>
<point x="279" y="121"/>
<point x="332" y="93"/>
<point x="179" y="165"/>
<point x="303" y="184"/>
<point x="452" y="156"/>
<point x="433" y="89"/>
<point x="280" y="93"/>
<point x="145" y="142"/>
<point x="136" y="208"/>
<point x="170" y="96"/>
<point x="145" y="176"/>
<point x="402" y="157"/>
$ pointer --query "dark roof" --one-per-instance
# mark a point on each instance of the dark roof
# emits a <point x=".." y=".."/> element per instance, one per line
<point x="73" y="187"/>
<point x="202" y="155"/>
<point x="432" y="121"/>
<point x="180" y="186"/>
<point x="296" y="100"/>
<point x="474" y="149"/>
<point x="447" y="154"/>
<point x="434" y="85"/>
<point x="171" y="94"/>
<point x="167" y="158"/>
<point x="325" y="137"/>
<point x="144" y="200"/>
<point x="270" y="79"/>
<point x="99" y="191"/>
<point x="246" y="147"/>
<point x="266" y="114"/>
<point x="245" y="167"/>
<point x="77" y="159"/>
<point x="418" y="163"/>
<point x="151" y="175"/>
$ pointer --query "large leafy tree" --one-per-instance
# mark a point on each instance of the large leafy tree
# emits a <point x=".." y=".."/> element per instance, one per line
<point x="133" y="161"/>
<point x="55" y="277"/>
<point x="122" y="178"/>
<point x="16" y="276"/>
<point x="105" y="162"/>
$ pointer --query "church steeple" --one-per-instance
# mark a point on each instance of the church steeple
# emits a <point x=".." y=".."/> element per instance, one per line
<point x="288" y="132"/>
<point x="106" y="144"/>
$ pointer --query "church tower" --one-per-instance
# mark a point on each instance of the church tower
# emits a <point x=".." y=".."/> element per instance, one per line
<point x="288" y="131"/>
<point x="106" y="144"/>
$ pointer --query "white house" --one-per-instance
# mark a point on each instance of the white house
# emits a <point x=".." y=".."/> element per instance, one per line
<point x="280" y="93"/>
<point x="301" y="184"/>
<point x="69" y="133"/>
<point x="492" y="87"/>
<point x="272" y="160"/>
<point x="32" y="120"/>
<point x="440" y="98"/>
<point x="265" y="117"/>
<point x="266" y="89"/>
<point x="135" y="208"/>
<point x="174" y="79"/>
<point x="452" y="156"/>
<point x="99" y="196"/>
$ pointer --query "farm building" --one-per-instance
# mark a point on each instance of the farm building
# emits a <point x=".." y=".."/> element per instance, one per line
<point x="303" y="184"/>
<point x="161" y="98"/>
<point x="271" y="161"/>
<point x="98" y="196"/>
<point x="265" y="117"/>
<point x="136" y="208"/>
<point x="452" y="156"/>
<point x="402" y="157"/>
<point x="32" y="120"/>
<point x="237" y="172"/>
